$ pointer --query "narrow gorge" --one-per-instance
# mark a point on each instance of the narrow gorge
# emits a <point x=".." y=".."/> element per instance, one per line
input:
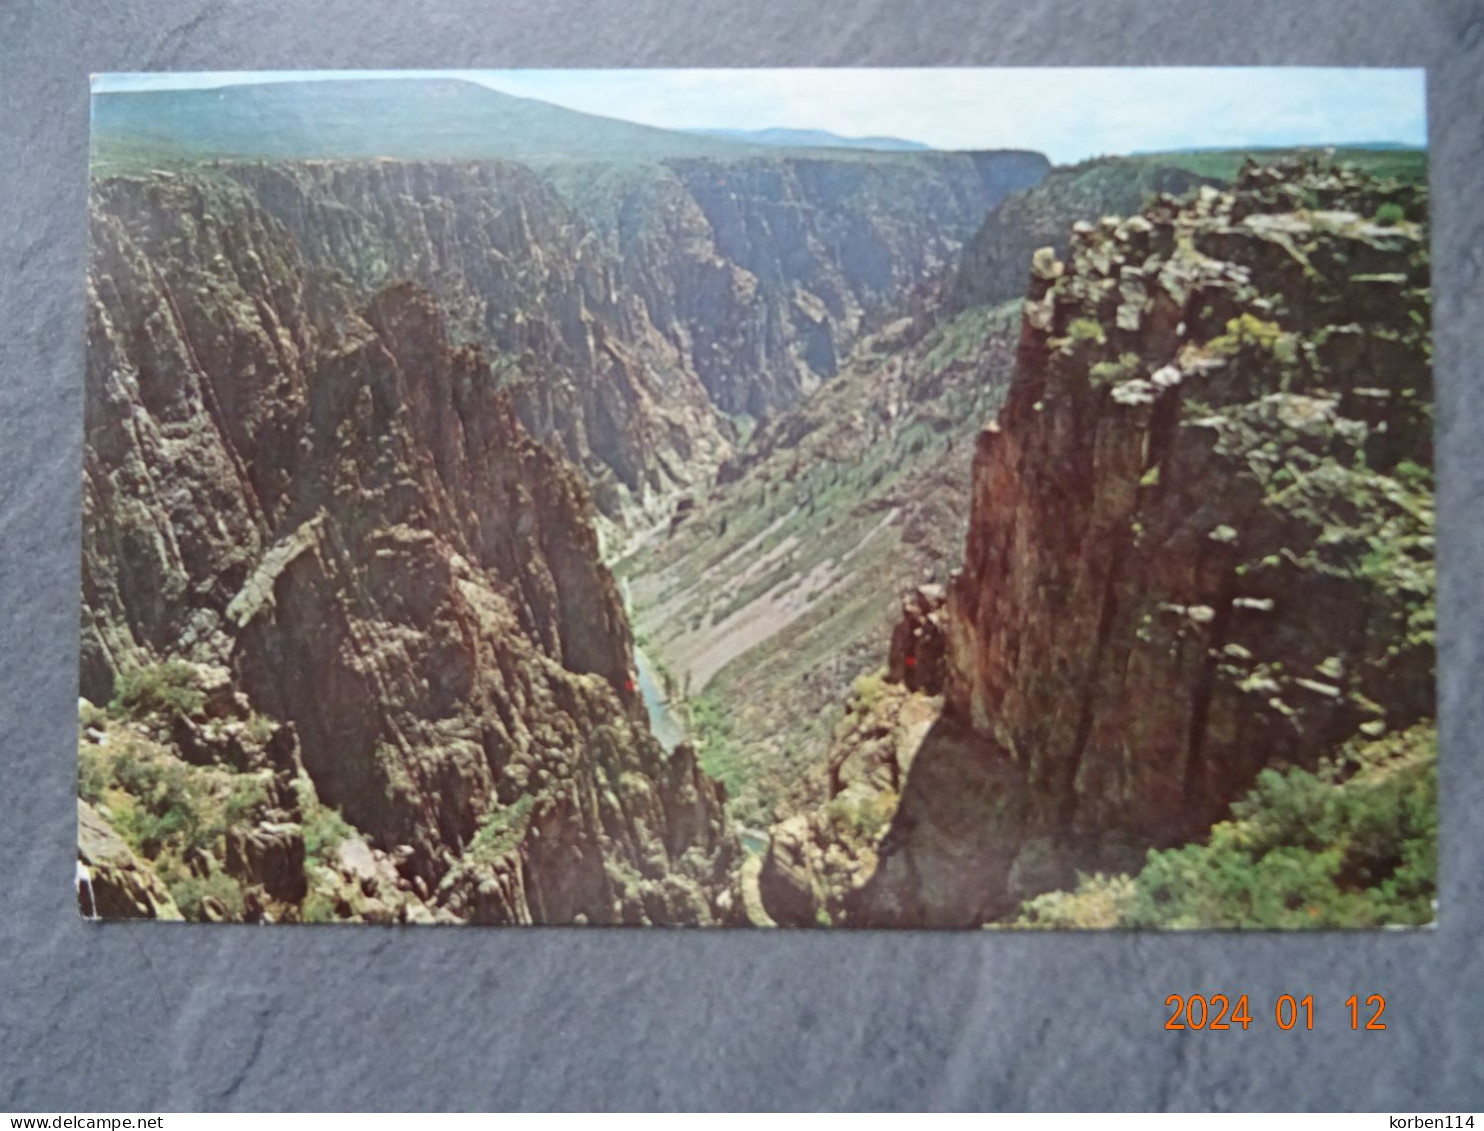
<point x="1199" y="558"/>
<point x="500" y="514"/>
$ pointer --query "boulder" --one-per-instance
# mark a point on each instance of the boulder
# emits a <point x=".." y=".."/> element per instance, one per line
<point x="270" y="854"/>
<point x="918" y="643"/>
<point x="112" y="883"/>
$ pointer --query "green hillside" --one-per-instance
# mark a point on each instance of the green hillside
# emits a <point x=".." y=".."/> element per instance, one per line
<point x="366" y="118"/>
<point x="1222" y="164"/>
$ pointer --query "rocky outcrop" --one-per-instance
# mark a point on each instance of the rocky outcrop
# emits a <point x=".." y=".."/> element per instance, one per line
<point x="212" y="804"/>
<point x="343" y="509"/>
<point x="816" y="858"/>
<point x="919" y="643"/>
<point x="1200" y="543"/>
<point x="995" y="261"/>
<point x="781" y="260"/>
<point x="111" y="882"/>
<point x="631" y="306"/>
<point x="272" y="855"/>
<point x="516" y="271"/>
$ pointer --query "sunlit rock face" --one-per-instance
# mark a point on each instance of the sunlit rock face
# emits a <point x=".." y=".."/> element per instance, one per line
<point x="1201" y="539"/>
<point x="329" y="500"/>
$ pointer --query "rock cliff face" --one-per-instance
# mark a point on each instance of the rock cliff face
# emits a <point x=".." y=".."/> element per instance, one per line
<point x="329" y="499"/>
<point x="814" y="244"/>
<point x="629" y="308"/>
<point x="112" y="884"/>
<point x="328" y="408"/>
<point x="1200" y="541"/>
<point x="774" y="593"/>
<point x="516" y="271"/>
<point x="994" y="263"/>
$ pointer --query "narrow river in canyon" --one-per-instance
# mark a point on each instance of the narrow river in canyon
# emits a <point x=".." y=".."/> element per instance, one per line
<point x="664" y="724"/>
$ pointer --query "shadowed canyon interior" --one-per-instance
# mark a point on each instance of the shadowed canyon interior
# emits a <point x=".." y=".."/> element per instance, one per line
<point x="498" y="514"/>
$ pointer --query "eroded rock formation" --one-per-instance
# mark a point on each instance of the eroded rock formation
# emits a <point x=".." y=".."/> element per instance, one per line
<point x="1200" y="543"/>
<point x="633" y="306"/>
<point x="111" y="882"/>
<point x="331" y="501"/>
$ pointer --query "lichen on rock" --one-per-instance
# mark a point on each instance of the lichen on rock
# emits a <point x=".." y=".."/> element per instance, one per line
<point x="1200" y="542"/>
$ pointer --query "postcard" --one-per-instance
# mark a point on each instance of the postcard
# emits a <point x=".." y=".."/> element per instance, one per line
<point x="930" y="498"/>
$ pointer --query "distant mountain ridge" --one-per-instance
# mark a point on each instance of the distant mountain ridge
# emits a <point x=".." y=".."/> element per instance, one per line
<point x="784" y="137"/>
<point x="414" y="118"/>
<point x="1402" y="146"/>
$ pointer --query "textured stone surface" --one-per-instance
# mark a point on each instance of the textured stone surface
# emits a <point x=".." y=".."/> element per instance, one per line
<point x="624" y="315"/>
<point x="349" y="1018"/>
<point x="1193" y="550"/>
<point x="112" y="883"/>
<point x="322" y="497"/>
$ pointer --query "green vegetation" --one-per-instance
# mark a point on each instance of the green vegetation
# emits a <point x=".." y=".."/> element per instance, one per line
<point x="1246" y="331"/>
<point x="1222" y="164"/>
<point x="1111" y="372"/>
<point x="868" y="690"/>
<point x="997" y="261"/>
<point x="170" y="813"/>
<point x="864" y="818"/>
<point x="167" y="690"/>
<point x="1086" y="330"/>
<point x="824" y="530"/>
<point x="1353" y="844"/>
<point x="324" y="827"/>
<point x="962" y="336"/>
<point x="711" y="729"/>
<point x="503" y="829"/>
<point x="318" y="907"/>
<point x="260" y="728"/>
<point x="189" y="891"/>
<point x="159" y="804"/>
<point x="1390" y="214"/>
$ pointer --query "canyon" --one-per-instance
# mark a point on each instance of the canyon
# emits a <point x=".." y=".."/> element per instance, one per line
<point x="572" y="522"/>
<point x="1200" y="549"/>
<point x="356" y="431"/>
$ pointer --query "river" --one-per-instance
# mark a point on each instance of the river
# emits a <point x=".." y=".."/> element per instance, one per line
<point x="664" y="724"/>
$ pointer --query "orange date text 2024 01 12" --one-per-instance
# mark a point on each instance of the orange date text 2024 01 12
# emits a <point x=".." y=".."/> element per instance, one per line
<point x="1219" y="1011"/>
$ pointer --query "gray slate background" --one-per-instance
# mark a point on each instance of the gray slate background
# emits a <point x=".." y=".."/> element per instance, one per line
<point x="139" y="1017"/>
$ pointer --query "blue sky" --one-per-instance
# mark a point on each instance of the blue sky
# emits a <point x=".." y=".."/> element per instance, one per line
<point x="1067" y="113"/>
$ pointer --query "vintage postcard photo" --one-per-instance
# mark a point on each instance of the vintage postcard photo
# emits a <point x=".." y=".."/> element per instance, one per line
<point x="811" y="498"/>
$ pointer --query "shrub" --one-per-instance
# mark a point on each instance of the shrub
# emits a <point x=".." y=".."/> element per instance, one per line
<point x="324" y="827"/>
<point x="1111" y="372"/>
<point x="319" y="907"/>
<point x="1390" y="214"/>
<point x="161" y="806"/>
<point x="1302" y="849"/>
<point x="502" y="830"/>
<point x="189" y="892"/>
<point x="1086" y="330"/>
<point x="710" y="728"/>
<point x="1247" y="330"/>
<point x="93" y="772"/>
<point x="166" y="812"/>
<point x="1413" y="476"/>
<point x="1099" y="902"/>
<point x="1305" y="849"/>
<point x="868" y="690"/>
<point x="324" y="830"/>
<point x="863" y="818"/>
<point x="260" y="728"/>
<point x="168" y="690"/>
<point x="90" y="717"/>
